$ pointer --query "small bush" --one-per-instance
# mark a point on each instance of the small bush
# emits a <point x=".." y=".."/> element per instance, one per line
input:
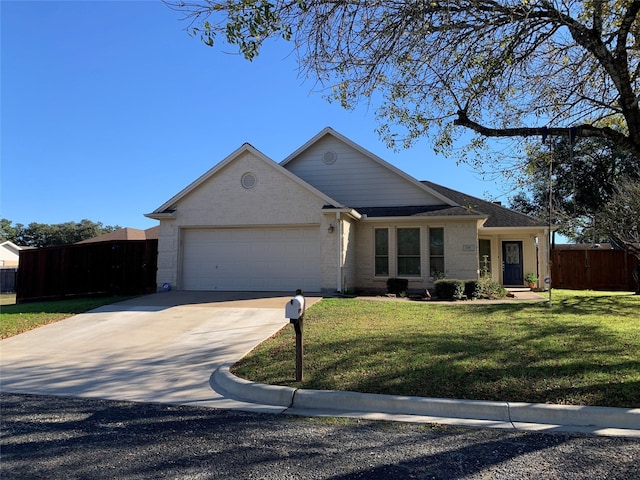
<point x="490" y="289"/>
<point x="397" y="286"/>
<point x="448" y="289"/>
<point x="472" y="289"/>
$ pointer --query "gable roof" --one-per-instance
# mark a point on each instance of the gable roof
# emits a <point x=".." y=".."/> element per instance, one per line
<point x="166" y="208"/>
<point x="499" y="216"/>
<point x="9" y="245"/>
<point x="371" y="156"/>
<point x="125" y="234"/>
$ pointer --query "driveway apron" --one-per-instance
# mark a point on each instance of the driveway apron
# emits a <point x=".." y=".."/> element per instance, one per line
<point x="161" y="348"/>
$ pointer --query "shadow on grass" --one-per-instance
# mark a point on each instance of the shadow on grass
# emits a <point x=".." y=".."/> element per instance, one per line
<point x="526" y="356"/>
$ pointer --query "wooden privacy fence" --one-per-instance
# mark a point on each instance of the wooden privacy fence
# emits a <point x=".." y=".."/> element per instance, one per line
<point x="593" y="269"/>
<point x="126" y="267"/>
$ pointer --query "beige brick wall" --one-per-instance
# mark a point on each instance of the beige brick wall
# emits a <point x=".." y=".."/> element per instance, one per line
<point x="461" y="250"/>
<point x="461" y="245"/>
<point x="276" y="200"/>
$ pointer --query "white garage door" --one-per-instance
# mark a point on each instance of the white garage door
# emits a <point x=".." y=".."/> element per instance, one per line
<point x="248" y="259"/>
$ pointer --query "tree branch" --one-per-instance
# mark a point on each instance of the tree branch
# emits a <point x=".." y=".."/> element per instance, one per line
<point x="583" y="130"/>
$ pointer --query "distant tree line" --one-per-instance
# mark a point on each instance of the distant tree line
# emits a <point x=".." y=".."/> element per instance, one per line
<point x="44" y="235"/>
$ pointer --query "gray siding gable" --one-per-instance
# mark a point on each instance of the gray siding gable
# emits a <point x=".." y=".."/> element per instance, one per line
<point x="355" y="177"/>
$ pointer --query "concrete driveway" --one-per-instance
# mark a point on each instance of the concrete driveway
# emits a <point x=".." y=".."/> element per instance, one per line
<point x="162" y="348"/>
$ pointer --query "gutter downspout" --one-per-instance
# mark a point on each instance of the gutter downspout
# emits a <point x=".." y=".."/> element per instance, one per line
<point x="339" y="243"/>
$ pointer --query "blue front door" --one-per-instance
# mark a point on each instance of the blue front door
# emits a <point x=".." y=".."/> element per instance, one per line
<point x="512" y="272"/>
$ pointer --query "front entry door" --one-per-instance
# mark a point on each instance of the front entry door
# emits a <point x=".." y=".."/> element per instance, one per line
<point x="512" y="272"/>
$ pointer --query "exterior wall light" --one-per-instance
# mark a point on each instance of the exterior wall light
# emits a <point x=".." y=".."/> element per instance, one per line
<point x="331" y="228"/>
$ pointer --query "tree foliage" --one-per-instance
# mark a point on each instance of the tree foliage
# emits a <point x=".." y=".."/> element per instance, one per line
<point x="44" y="235"/>
<point x="502" y="68"/>
<point x="584" y="177"/>
<point x="620" y="215"/>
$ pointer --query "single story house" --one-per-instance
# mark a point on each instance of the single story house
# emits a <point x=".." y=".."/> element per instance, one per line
<point x="334" y="217"/>
<point x="9" y="254"/>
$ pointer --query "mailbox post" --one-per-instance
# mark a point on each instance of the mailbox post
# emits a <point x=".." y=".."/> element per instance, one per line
<point x="294" y="311"/>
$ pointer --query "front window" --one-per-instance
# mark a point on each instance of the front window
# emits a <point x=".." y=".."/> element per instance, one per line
<point x="484" y="251"/>
<point x="408" y="251"/>
<point x="382" y="252"/>
<point x="436" y="253"/>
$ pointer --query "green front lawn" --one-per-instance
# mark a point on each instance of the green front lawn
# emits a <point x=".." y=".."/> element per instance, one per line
<point x="585" y="350"/>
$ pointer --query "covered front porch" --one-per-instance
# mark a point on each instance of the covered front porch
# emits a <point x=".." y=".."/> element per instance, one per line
<point x="509" y="256"/>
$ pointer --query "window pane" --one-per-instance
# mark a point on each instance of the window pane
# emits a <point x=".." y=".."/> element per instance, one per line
<point x="437" y="267"/>
<point x="436" y="253"/>
<point x="436" y="241"/>
<point x="484" y="250"/>
<point x="409" y="241"/>
<point x="382" y="266"/>
<point x="382" y="251"/>
<point x="382" y="241"/>
<point x="408" y="251"/>
<point x="408" y="266"/>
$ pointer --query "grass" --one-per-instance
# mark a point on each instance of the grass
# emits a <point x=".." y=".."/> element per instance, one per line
<point x="585" y="350"/>
<point x="15" y="319"/>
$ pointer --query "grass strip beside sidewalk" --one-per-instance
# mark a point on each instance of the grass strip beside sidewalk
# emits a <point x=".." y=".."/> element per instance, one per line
<point x="585" y="350"/>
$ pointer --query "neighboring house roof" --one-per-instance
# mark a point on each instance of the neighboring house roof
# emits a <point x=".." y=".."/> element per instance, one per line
<point x="499" y="216"/>
<point x="10" y="246"/>
<point x="125" y="234"/>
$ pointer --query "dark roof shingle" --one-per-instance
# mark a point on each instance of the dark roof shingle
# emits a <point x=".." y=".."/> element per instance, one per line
<point x="499" y="216"/>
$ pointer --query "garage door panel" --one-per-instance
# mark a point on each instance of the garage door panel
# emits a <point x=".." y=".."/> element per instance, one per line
<point x="251" y="259"/>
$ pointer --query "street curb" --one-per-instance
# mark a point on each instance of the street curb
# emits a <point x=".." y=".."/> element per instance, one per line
<point x="241" y="389"/>
<point x="511" y="412"/>
<point x="575" y="415"/>
<point x="372" y="402"/>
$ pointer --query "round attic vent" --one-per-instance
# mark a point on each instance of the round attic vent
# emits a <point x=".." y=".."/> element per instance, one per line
<point x="248" y="180"/>
<point x="329" y="157"/>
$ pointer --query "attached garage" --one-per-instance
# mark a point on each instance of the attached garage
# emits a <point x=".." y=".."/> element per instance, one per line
<point x="251" y="259"/>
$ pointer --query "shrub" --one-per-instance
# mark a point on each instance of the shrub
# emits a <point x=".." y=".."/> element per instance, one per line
<point x="397" y="286"/>
<point x="472" y="289"/>
<point x="491" y="289"/>
<point x="448" y="289"/>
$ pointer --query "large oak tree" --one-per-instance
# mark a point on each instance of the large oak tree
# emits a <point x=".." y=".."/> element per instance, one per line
<point x="502" y="68"/>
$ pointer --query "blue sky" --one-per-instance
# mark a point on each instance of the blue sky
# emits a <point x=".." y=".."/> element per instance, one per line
<point x="108" y="109"/>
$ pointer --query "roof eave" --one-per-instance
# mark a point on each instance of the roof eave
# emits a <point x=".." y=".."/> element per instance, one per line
<point x="414" y="218"/>
<point x="349" y="211"/>
<point x="161" y="215"/>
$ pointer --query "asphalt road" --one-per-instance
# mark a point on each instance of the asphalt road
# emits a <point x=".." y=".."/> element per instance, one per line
<point x="71" y="438"/>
